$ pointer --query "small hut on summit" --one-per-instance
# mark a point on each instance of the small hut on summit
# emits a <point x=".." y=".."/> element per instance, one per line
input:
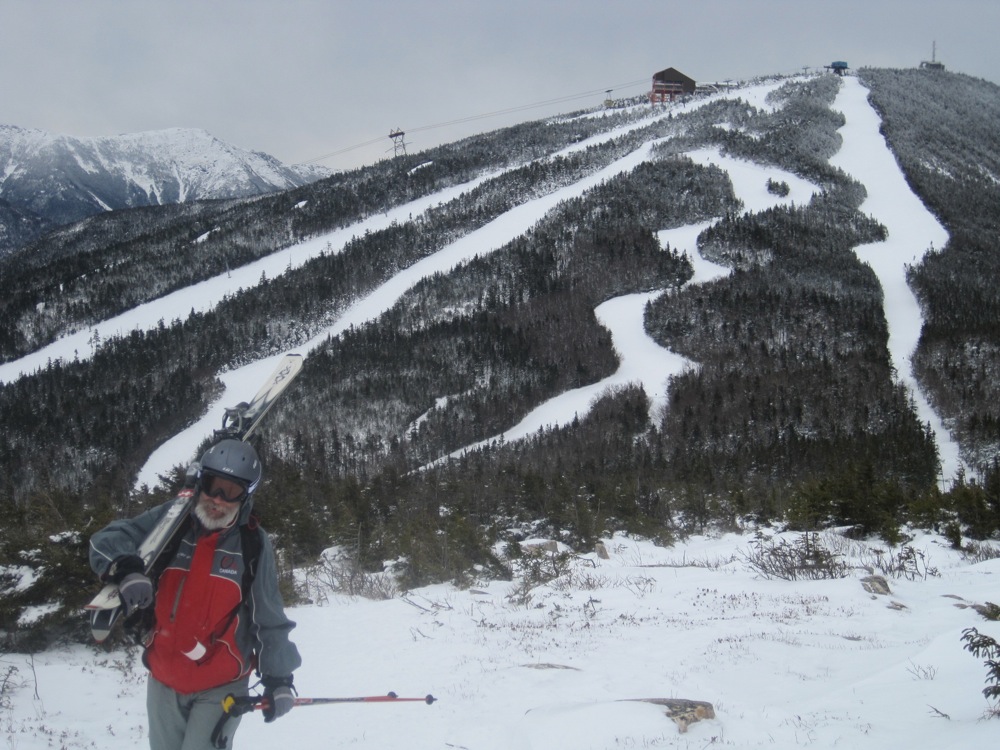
<point x="933" y="63"/>
<point x="669" y="84"/>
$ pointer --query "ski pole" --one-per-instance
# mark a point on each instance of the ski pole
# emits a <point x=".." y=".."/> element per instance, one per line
<point x="237" y="705"/>
<point x="243" y="704"/>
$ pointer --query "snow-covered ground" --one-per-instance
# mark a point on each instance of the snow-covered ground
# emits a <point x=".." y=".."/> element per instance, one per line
<point x="800" y="663"/>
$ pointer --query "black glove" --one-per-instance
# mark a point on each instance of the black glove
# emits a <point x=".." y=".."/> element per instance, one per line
<point x="136" y="592"/>
<point x="280" y="697"/>
<point x="122" y="567"/>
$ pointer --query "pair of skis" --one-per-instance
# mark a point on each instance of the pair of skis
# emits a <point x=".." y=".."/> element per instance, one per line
<point x="239" y="423"/>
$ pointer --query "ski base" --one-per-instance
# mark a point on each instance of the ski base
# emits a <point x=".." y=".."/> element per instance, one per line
<point x="107" y="598"/>
<point x="103" y="620"/>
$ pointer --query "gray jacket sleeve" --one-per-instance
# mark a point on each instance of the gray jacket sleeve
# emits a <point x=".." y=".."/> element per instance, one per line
<point x="277" y="656"/>
<point x="121" y="538"/>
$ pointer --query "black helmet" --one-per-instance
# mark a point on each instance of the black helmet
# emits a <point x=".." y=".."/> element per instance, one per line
<point x="234" y="460"/>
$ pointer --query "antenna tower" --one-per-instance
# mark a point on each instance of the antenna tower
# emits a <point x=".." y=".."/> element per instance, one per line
<point x="933" y="64"/>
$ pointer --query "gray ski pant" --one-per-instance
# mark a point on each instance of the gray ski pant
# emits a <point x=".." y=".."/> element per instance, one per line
<point x="185" y="722"/>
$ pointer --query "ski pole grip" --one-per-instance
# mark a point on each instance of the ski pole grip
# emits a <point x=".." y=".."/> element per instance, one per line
<point x="219" y="740"/>
<point x="237" y="705"/>
<point x="227" y="704"/>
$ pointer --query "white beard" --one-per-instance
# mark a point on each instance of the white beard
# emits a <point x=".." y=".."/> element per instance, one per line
<point x="211" y="523"/>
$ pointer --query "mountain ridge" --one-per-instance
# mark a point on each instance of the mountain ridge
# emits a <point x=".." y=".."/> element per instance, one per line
<point x="56" y="179"/>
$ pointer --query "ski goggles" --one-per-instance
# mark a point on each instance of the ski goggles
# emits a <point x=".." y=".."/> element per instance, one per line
<point x="223" y="488"/>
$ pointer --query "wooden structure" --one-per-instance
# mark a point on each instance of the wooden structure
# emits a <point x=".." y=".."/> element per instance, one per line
<point x="669" y="84"/>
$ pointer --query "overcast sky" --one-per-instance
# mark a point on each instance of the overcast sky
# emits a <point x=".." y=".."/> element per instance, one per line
<point x="312" y="80"/>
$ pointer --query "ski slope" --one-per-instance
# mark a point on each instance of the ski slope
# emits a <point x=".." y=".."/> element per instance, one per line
<point x="864" y="155"/>
<point x="913" y="231"/>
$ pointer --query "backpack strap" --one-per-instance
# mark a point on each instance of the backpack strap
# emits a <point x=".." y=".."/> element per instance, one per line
<point x="140" y="624"/>
<point x="251" y="543"/>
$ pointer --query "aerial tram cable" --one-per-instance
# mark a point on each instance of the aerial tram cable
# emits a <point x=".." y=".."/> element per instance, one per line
<point x="471" y="118"/>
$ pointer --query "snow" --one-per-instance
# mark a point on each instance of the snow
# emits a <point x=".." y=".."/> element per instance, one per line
<point x="642" y="360"/>
<point x="913" y="231"/>
<point x="784" y="663"/>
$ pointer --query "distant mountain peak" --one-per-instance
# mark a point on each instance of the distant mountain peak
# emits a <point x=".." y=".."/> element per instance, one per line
<point x="56" y="179"/>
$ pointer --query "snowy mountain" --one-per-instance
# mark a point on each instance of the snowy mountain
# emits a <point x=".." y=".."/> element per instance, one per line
<point x="58" y="179"/>
<point x="647" y="320"/>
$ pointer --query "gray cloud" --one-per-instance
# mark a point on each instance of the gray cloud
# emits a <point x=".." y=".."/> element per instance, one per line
<point x="300" y="79"/>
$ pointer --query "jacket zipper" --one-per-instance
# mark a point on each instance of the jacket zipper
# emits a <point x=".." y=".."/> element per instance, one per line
<point x="177" y="599"/>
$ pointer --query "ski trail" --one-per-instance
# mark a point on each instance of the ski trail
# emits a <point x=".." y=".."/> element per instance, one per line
<point x="205" y="295"/>
<point x="492" y="236"/>
<point x="642" y="361"/>
<point x="912" y="231"/>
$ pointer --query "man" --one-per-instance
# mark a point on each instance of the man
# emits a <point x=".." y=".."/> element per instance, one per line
<point x="213" y="623"/>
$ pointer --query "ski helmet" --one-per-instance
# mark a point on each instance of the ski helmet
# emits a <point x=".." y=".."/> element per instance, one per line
<point x="233" y="459"/>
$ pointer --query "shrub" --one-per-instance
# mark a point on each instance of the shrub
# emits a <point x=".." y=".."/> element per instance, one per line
<point x="805" y="558"/>
<point x="986" y="648"/>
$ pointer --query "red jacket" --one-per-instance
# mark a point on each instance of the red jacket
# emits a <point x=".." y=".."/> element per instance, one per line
<point x="198" y="598"/>
<point x="198" y="605"/>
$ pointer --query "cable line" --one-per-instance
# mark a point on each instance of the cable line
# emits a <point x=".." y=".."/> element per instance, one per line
<point x="471" y="118"/>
